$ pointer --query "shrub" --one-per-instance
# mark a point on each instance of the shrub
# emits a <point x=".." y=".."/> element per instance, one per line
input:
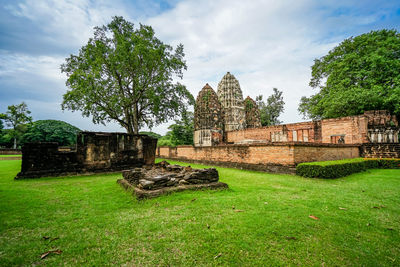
<point x="340" y="168"/>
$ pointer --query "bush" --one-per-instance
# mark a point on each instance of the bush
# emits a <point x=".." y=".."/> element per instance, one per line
<point x="340" y="168"/>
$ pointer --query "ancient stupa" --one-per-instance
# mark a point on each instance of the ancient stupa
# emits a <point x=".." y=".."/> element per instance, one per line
<point x="231" y="98"/>
<point x="208" y="118"/>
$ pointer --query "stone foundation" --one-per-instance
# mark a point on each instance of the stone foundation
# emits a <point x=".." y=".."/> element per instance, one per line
<point x="163" y="178"/>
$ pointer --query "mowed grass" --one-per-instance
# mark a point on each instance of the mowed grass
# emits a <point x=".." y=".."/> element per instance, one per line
<point x="96" y="223"/>
<point x="10" y="156"/>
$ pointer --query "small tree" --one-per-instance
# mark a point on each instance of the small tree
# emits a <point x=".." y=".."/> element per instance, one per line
<point x="272" y="109"/>
<point x="182" y="130"/>
<point x="16" y="117"/>
<point x="126" y="75"/>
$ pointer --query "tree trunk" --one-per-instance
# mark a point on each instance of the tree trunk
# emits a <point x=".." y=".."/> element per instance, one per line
<point x="15" y="143"/>
<point x="135" y="119"/>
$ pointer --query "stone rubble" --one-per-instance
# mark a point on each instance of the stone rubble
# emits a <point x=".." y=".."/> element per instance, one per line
<point x="162" y="176"/>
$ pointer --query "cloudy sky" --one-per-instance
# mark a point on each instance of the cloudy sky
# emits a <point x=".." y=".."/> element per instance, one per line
<point x="265" y="44"/>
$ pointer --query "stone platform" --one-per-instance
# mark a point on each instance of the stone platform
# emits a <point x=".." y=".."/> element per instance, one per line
<point x="163" y="178"/>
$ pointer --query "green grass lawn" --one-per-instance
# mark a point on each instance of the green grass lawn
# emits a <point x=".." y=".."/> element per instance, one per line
<point x="10" y="156"/>
<point x="95" y="222"/>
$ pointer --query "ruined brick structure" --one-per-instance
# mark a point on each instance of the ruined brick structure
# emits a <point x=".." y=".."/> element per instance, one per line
<point x="372" y="127"/>
<point x="208" y="118"/>
<point x="215" y="114"/>
<point x="231" y="98"/>
<point x="95" y="152"/>
<point x="252" y="113"/>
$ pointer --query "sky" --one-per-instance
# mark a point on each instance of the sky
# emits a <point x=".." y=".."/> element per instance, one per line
<point x="264" y="43"/>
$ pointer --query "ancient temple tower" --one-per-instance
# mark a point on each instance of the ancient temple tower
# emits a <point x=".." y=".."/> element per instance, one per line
<point x="208" y="118"/>
<point x="231" y="98"/>
<point x="252" y="112"/>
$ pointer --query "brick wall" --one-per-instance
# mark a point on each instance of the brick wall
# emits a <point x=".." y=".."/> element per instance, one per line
<point x="391" y="150"/>
<point x="325" y="152"/>
<point x="279" y="157"/>
<point x="298" y="132"/>
<point x="353" y="129"/>
<point x="95" y="152"/>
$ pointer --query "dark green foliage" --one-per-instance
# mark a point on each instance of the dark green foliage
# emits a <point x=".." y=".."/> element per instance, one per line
<point x="182" y="130"/>
<point x="154" y="135"/>
<point x="272" y="109"/>
<point x="51" y="131"/>
<point x="340" y="168"/>
<point x="362" y="73"/>
<point x="17" y="117"/>
<point x="126" y="74"/>
<point x="165" y="140"/>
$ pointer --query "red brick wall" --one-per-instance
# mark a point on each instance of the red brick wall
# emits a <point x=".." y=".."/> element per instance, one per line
<point x="354" y="128"/>
<point x="323" y="153"/>
<point x="264" y="133"/>
<point x="279" y="153"/>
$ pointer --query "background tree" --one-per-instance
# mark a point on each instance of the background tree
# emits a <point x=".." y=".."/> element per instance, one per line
<point x="181" y="132"/>
<point x="272" y="109"/>
<point x="182" y="129"/>
<point x="360" y="74"/>
<point x="126" y="75"/>
<point x="51" y="131"/>
<point x="16" y="117"/>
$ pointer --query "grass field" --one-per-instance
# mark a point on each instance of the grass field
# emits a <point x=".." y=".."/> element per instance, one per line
<point x="95" y="222"/>
<point x="10" y="156"/>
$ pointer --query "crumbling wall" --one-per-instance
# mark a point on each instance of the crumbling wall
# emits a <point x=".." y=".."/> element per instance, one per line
<point x="95" y="152"/>
<point x="388" y="150"/>
<point x="294" y="132"/>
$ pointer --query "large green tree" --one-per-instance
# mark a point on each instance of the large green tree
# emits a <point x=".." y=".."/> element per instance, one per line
<point x="17" y="117"/>
<point x="51" y="131"/>
<point x="272" y="109"/>
<point x="126" y="74"/>
<point x="362" y="73"/>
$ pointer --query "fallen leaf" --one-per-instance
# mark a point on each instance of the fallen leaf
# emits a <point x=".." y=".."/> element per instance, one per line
<point x="208" y="226"/>
<point x="376" y="207"/>
<point x="266" y="203"/>
<point x="369" y="224"/>
<point x="233" y="207"/>
<point x="291" y="238"/>
<point x="342" y="208"/>
<point x="239" y="210"/>
<point x="219" y="255"/>
<point x="313" y="217"/>
<point x="194" y="199"/>
<point x="46" y="237"/>
<point x="390" y="229"/>
<point x="47" y="253"/>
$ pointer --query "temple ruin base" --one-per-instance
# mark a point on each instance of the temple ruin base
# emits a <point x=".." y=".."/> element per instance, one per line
<point x="163" y="178"/>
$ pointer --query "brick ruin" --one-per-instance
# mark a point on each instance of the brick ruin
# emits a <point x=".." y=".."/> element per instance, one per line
<point x="228" y="132"/>
<point x="228" y="119"/>
<point x="215" y="114"/>
<point x="94" y="152"/>
<point x="164" y="178"/>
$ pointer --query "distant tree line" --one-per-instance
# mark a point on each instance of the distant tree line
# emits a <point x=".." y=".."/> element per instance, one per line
<point x="22" y="129"/>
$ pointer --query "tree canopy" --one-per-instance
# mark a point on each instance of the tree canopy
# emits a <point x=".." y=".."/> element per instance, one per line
<point x="272" y="109"/>
<point x="51" y="131"/>
<point x="126" y="74"/>
<point x="362" y="73"/>
<point x="16" y="117"/>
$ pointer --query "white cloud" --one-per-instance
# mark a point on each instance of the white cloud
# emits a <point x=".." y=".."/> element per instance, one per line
<point x="265" y="44"/>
